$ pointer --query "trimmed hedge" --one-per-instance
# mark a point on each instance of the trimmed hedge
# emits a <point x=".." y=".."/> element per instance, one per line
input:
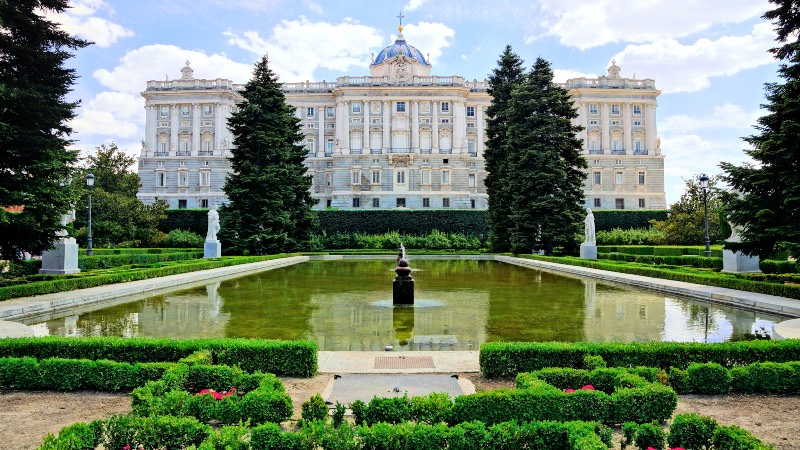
<point x="504" y="359"/>
<point x="76" y="374"/>
<point x="291" y="358"/>
<point x="660" y="250"/>
<point x="694" y="261"/>
<point x="62" y="283"/>
<point x="126" y="259"/>
<point x="194" y="220"/>
<point x="626" y="219"/>
<point x="414" y="221"/>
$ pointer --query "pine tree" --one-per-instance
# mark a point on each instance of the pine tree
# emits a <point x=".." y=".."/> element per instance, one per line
<point x="504" y="78"/>
<point x="269" y="190"/>
<point x="545" y="180"/>
<point x="35" y="166"/>
<point x="769" y="205"/>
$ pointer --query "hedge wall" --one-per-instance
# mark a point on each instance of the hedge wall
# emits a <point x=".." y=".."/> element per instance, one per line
<point x="413" y="221"/>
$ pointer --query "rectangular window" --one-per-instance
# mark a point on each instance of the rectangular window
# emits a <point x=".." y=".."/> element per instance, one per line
<point x="355" y="177"/>
<point x="637" y="123"/>
<point x="592" y="108"/>
<point x="637" y="145"/>
<point x="445" y="203"/>
<point x="617" y="162"/>
<point x="330" y="112"/>
<point x="471" y="148"/>
<point x="330" y="125"/>
<point x="637" y="109"/>
<point x="310" y="145"/>
<point x="426" y="177"/>
<point x="329" y="147"/>
<point x="328" y="179"/>
<point x="615" y="109"/>
<point x="401" y="202"/>
<point x="376" y="203"/>
<point x="310" y="111"/>
<point x="164" y="111"/>
<point x="597" y="203"/>
<point x="206" y="146"/>
<point x="470" y="111"/>
<point x="376" y="177"/>
<point x="470" y="124"/>
<point x="401" y="106"/>
<point x="615" y="122"/>
<point x="618" y="179"/>
<point x="186" y="147"/>
<point x="328" y="203"/>
<point x="445" y="177"/>
<point x="445" y="121"/>
<point x="204" y="203"/>
<point x="355" y="107"/>
<point x="185" y="110"/>
<point x="641" y="203"/>
<point x="619" y="203"/>
<point x="205" y="178"/>
<point x="472" y="203"/>
<point x="401" y="177"/>
<point x="598" y="177"/>
<point x="183" y="179"/>
<point x="471" y="179"/>
<point x="182" y="204"/>
<point x="445" y="106"/>
<point x="356" y="202"/>
<point x="641" y="178"/>
<point x="426" y="202"/>
<point x="593" y="122"/>
<point x="161" y="179"/>
<point x="207" y="110"/>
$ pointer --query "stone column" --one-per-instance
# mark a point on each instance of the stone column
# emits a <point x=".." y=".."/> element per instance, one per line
<point x="651" y="133"/>
<point x="459" y="126"/>
<point x="195" y="128"/>
<point x="604" y="122"/>
<point x="583" y="121"/>
<point x="626" y="128"/>
<point x="298" y="112"/>
<point x="415" y="126"/>
<point x="341" y="130"/>
<point x="386" y="144"/>
<point x="175" y="123"/>
<point x="151" y="143"/>
<point x="435" y="127"/>
<point x="480" y="145"/>
<point x="219" y="129"/>
<point x="365" y="134"/>
<point x="321" y="131"/>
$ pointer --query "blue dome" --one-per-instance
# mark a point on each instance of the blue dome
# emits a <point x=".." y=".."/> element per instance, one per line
<point x="395" y="49"/>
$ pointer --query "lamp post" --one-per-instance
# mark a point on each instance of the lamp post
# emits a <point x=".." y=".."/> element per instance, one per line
<point x="704" y="187"/>
<point x="90" y="184"/>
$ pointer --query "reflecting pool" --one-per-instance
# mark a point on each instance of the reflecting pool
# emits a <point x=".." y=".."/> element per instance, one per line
<point x="347" y="305"/>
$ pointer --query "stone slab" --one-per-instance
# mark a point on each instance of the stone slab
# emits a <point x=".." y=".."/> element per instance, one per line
<point x="350" y="388"/>
<point x="62" y="259"/>
<point x="788" y="329"/>
<point x="738" y="262"/>
<point x="588" y="251"/>
<point x="212" y="249"/>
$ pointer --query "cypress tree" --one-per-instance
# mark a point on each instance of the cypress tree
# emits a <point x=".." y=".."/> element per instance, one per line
<point x="545" y="179"/>
<point x="769" y="205"/>
<point x="35" y="166"/>
<point x="269" y="209"/>
<point x="504" y="78"/>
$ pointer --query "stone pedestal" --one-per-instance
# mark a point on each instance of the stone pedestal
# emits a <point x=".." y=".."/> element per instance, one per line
<point x="403" y="291"/>
<point x="738" y="262"/>
<point x="61" y="259"/>
<point x="212" y="249"/>
<point x="588" y="251"/>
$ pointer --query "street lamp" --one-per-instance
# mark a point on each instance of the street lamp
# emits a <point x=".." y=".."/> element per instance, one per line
<point x="90" y="183"/>
<point x="704" y="187"/>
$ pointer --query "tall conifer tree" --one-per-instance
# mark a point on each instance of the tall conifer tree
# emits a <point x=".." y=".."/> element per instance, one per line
<point x="269" y="190"/>
<point x="35" y="165"/>
<point x="769" y="207"/>
<point x="507" y="75"/>
<point x="545" y="179"/>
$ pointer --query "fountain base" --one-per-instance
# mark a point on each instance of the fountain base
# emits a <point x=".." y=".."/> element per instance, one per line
<point x="403" y="291"/>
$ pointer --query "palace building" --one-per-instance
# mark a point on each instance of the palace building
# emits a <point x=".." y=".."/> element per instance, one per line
<point x="398" y="138"/>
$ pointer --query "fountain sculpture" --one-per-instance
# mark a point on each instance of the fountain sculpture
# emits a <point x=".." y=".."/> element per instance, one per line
<point x="403" y="285"/>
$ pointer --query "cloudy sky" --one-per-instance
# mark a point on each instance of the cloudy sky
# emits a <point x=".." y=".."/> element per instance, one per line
<point x="708" y="57"/>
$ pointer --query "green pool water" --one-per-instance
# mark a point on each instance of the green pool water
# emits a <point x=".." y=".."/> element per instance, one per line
<point x="346" y="305"/>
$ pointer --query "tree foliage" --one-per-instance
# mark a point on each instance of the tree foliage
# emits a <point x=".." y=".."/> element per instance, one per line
<point x="118" y="217"/>
<point x="686" y="222"/>
<point x="35" y="165"/>
<point x="769" y="205"/>
<point x="545" y="181"/>
<point x="508" y="74"/>
<point x="269" y="209"/>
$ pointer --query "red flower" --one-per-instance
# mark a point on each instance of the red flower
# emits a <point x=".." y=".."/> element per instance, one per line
<point x="588" y="387"/>
<point x="127" y="447"/>
<point x="569" y="391"/>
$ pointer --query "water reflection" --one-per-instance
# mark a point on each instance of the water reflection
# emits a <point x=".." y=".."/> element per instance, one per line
<point x="340" y="305"/>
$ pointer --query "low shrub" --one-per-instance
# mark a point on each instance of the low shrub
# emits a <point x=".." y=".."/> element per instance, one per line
<point x="679" y="380"/>
<point x="650" y="435"/>
<point x="315" y="409"/>
<point x="708" y="378"/>
<point x="734" y="437"/>
<point x="183" y="239"/>
<point x="153" y="432"/>
<point x="691" y="432"/>
<point x="771" y="266"/>
<point x="633" y="236"/>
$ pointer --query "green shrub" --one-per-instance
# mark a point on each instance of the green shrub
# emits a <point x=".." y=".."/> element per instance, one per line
<point x="653" y="402"/>
<point x="338" y="414"/>
<point x="153" y="432"/>
<point x="592" y="362"/>
<point x="633" y="236"/>
<point x="709" y="378"/>
<point x="650" y="435"/>
<point x="626" y="219"/>
<point x="389" y="410"/>
<point x="679" y="380"/>
<point x="691" y="432"/>
<point x="315" y="409"/>
<point x="771" y="266"/>
<point x="733" y="437"/>
<point x="411" y="222"/>
<point x="183" y="239"/>
<point x="359" y="410"/>
<point x="78" y="436"/>
<point x="629" y="430"/>
<point x="432" y="409"/>
<point x="228" y="438"/>
<point x="261" y="407"/>
<point x="203" y="407"/>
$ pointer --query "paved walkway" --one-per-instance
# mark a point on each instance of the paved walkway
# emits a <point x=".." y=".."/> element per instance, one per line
<point x="398" y="362"/>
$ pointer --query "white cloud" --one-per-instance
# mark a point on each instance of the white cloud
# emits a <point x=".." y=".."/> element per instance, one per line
<point x="726" y="116"/>
<point x="113" y="114"/>
<point x="688" y="68"/>
<point x="80" y="20"/>
<point x="562" y="75"/>
<point x="434" y="36"/>
<point x="414" y="4"/>
<point x="297" y="48"/>
<point x="584" y="25"/>
<point x="313" y="6"/>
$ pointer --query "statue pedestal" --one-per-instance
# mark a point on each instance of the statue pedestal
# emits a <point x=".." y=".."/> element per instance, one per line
<point x="403" y="291"/>
<point x="588" y="251"/>
<point x="738" y="262"/>
<point x="61" y="259"/>
<point x="212" y="249"/>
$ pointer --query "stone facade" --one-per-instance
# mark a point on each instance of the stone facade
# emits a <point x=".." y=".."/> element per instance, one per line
<point x="399" y="137"/>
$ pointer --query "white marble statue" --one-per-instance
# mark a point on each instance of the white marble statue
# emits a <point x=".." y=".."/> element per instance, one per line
<point x="65" y="219"/>
<point x="213" y="224"/>
<point x="589" y="227"/>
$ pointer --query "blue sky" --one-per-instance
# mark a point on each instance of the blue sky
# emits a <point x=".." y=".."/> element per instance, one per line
<point x="709" y="57"/>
